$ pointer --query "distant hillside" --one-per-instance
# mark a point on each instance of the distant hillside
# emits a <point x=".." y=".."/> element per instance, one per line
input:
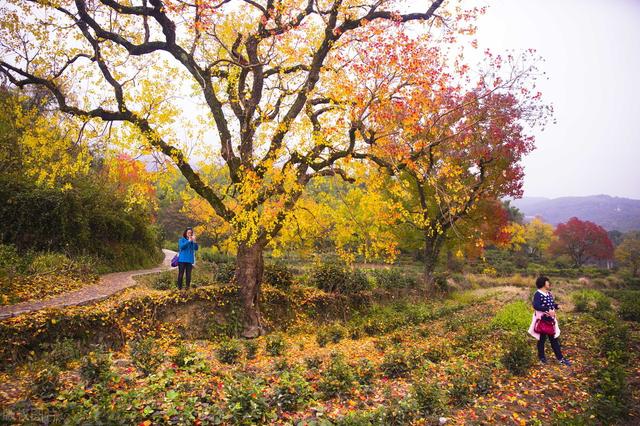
<point x="611" y="213"/>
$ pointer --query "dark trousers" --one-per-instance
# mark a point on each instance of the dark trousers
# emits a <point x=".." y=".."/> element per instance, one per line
<point x="555" y="344"/>
<point x="184" y="268"/>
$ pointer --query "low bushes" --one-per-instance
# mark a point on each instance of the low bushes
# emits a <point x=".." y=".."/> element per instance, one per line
<point x="611" y="396"/>
<point x="393" y="279"/>
<point x="333" y="333"/>
<point x="291" y="392"/>
<point x="338" y="378"/>
<point x="590" y="301"/>
<point x="146" y="355"/>
<point x="395" y="364"/>
<point x="429" y="396"/>
<point x="275" y="344"/>
<point x="185" y="356"/>
<point x="515" y="316"/>
<point x="335" y="277"/>
<point x="278" y="275"/>
<point x="46" y="382"/>
<point x="248" y="402"/>
<point x="229" y="351"/>
<point x="630" y="306"/>
<point x="95" y="367"/>
<point x="90" y="218"/>
<point x="518" y="357"/>
<point x="61" y="352"/>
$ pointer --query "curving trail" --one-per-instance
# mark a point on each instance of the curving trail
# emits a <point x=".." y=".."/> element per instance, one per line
<point x="108" y="285"/>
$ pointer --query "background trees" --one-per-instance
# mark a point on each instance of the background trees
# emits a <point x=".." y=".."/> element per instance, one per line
<point x="538" y="237"/>
<point x="57" y="194"/>
<point x="582" y="241"/>
<point x="628" y="252"/>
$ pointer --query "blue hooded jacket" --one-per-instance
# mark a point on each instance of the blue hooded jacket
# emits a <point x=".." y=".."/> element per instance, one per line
<point x="187" y="250"/>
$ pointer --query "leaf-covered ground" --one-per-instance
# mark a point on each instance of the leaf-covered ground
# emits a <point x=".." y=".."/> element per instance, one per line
<point x="23" y="288"/>
<point x="400" y="364"/>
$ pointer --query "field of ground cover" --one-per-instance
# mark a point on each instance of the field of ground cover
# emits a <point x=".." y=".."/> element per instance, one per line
<point x="465" y="358"/>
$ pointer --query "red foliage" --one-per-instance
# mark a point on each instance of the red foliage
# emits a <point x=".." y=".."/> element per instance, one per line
<point x="583" y="241"/>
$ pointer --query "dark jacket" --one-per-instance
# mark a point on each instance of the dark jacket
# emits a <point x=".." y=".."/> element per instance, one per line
<point x="543" y="303"/>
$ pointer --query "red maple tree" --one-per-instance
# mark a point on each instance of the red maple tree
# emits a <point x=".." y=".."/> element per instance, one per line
<point x="583" y="241"/>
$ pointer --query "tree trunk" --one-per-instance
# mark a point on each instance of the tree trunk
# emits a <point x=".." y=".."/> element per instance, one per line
<point x="249" y="277"/>
<point x="432" y="248"/>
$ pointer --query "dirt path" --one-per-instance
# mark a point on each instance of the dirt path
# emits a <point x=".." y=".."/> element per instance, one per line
<point x="108" y="285"/>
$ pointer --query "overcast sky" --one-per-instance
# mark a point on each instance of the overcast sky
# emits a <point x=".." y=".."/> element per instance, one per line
<point x="592" y="58"/>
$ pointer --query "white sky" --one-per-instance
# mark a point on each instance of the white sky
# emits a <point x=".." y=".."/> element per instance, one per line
<point x="592" y="58"/>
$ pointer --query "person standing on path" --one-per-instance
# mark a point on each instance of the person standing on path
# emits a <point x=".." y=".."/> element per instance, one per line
<point x="543" y="304"/>
<point x="187" y="247"/>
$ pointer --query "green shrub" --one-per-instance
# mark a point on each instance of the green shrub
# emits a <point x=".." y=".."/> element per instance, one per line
<point x="91" y="218"/>
<point x="357" y="418"/>
<point x="630" y="306"/>
<point x="46" y="382"/>
<point x="331" y="277"/>
<point x="322" y="337"/>
<point x="393" y="279"/>
<point x="483" y="381"/>
<point x="462" y="385"/>
<point x="225" y="272"/>
<point x="48" y="263"/>
<point x="338" y="378"/>
<point x="292" y="391"/>
<point x="10" y="260"/>
<point x="333" y="333"/>
<point x="438" y="353"/>
<point x="146" y="355"/>
<point x="313" y="362"/>
<point x="278" y="275"/>
<point x="354" y="332"/>
<point x="211" y="255"/>
<point x="590" y="301"/>
<point x="395" y="364"/>
<point x="185" y="356"/>
<point x="416" y="358"/>
<point x="357" y="282"/>
<point x="518" y="356"/>
<point x="374" y="326"/>
<point x="428" y="396"/>
<point x="515" y="316"/>
<point x="247" y="403"/>
<point x="251" y="349"/>
<point x="564" y="418"/>
<point x="611" y="394"/>
<point x="62" y="351"/>
<point x="396" y="412"/>
<point x="165" y="281"/>
<point x="334" y="277"/>
<point x="275" y="344"/>
<point x="229" y="351"/>
<point x="281" y="365"/>
<point x="95" y="367"/>
<point x="365" y="372"/>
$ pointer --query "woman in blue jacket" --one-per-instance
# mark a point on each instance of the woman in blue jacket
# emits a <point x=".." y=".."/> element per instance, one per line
<point x="545" y="305"/>
<point x="187" y="247"/>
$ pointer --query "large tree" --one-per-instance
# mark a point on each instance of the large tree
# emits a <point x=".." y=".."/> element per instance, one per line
<point x="265" y="71"/>
<point x="583" y="241"/>
<point x="448" y="137"/>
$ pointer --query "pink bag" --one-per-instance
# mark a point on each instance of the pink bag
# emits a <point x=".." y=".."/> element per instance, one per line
<point x="545" y="325"/>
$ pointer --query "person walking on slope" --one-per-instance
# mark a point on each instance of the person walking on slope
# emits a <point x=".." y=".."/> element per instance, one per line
<point x="545" y="306"/>
<point x="187" y="247"/>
